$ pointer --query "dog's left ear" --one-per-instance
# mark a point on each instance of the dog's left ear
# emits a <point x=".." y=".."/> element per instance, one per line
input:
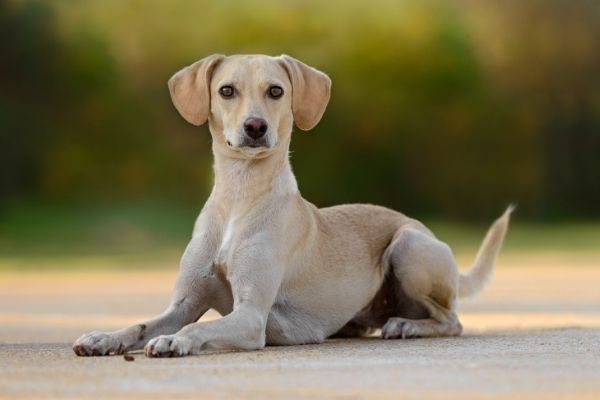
<point x="190" y="89"/>
<point x="311" y="89"/>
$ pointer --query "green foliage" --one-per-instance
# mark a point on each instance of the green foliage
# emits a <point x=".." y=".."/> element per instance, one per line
<point x="439" y="108"/>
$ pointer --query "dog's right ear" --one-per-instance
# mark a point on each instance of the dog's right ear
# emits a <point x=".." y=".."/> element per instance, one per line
<point x="190" y="89"/>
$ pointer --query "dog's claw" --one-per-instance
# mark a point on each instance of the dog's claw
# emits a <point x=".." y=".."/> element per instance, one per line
<point x="97" y="344"/>
<point x="396" y="328"/>
<point x="168" y="346"/>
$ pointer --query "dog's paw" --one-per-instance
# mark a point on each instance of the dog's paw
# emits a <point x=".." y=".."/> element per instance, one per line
<point x="168" y="346"/>
<point x="400" y="328"/>
<point x="97" y="344"/>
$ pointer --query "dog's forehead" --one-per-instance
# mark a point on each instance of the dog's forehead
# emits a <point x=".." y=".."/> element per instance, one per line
<point x="250" y="68"/>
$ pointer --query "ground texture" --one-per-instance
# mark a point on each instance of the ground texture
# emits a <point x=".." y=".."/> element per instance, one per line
<point x="535" y="333"/>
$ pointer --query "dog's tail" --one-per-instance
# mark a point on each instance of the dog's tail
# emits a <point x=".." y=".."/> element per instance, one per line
<point x="474" y="280"/>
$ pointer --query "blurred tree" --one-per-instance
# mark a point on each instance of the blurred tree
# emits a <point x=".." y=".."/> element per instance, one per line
<point x="28" y="64"/>
<point x="439" y="107"/>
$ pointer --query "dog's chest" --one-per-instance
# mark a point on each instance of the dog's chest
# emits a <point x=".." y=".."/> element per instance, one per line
<point x="226" y="241"/>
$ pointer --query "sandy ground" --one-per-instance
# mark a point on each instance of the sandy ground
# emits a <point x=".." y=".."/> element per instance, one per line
<point x="535" y="333"/>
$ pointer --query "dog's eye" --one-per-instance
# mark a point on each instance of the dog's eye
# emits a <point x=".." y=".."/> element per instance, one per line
<point x="226" y="91"/>
<point x="275" y="92"/>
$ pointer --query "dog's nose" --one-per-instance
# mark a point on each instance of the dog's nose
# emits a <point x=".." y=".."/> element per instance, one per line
<point x="255" y="127"/>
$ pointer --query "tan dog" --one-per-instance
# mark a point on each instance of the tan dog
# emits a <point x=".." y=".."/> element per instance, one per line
<point x="280" y="270"/>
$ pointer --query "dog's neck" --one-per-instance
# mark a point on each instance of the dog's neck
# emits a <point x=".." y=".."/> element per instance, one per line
<point x="241" y="181"/>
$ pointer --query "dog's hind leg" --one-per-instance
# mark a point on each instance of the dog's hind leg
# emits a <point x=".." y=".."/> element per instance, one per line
<point x="427" y="274"/>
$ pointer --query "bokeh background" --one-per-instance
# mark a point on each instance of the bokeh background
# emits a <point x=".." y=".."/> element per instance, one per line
<point x="445" y="110"/>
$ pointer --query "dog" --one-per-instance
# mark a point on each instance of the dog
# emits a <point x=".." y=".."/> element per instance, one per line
<point x="278" y="269"/>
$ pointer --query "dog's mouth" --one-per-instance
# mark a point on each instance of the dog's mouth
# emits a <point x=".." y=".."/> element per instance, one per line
<point x="255" y="143"/>
<point x="251" y="149"/>
<point x="250" y="145"/>
<point x="256" y="146"/>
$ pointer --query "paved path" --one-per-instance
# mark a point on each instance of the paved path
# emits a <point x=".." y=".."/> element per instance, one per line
<point x="534" y="334"/>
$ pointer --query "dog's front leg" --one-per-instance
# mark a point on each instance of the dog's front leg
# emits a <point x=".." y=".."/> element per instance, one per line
<point x="196" y="289"/>
<point x="254" y="287"/>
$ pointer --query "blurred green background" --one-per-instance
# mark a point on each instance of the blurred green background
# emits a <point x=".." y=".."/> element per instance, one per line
<point x="445" y="110"/>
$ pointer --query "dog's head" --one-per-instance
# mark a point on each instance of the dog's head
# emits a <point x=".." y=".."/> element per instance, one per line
<point x="250" y="102"/>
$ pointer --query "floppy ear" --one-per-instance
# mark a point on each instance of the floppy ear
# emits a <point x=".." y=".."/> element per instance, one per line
<point x="190" y="89"/>
<point x="311" y="89"/>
